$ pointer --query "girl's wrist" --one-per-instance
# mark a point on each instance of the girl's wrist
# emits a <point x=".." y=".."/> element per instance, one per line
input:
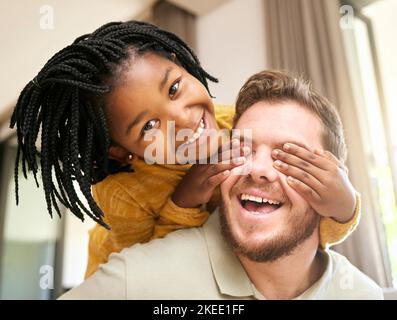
<point x="182" y="201"/>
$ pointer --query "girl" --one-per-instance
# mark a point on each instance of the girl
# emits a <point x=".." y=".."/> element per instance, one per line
<point x="97" y="102"/>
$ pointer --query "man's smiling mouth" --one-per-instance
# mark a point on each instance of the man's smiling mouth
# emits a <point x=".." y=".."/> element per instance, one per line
<point x="258" y="205"/>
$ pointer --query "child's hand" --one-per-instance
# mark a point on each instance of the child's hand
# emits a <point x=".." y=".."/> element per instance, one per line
<point x="199" y="183"/>
<point x="320" y="178"/>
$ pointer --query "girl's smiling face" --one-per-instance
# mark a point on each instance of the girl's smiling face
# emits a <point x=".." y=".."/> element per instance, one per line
<point x="152" y="92"/>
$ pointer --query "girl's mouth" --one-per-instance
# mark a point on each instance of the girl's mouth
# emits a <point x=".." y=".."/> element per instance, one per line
<point x="199" y="131"/>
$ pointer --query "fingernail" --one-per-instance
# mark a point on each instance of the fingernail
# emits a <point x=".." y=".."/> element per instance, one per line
<point x="225" y="173"/>
<point x="320" y="152"/>
<point x="278" y="163"/>
<point x="290" y="179"/>
<point x="287" y="146"/>
<point x="276" y="152"/>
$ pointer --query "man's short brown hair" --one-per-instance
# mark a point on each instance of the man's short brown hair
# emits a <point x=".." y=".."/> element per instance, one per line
<point x="278" y="86"/>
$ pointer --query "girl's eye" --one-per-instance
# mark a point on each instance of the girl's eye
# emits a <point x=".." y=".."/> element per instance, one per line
<point x="149" y="125"/>
<point x="173" y="89"/>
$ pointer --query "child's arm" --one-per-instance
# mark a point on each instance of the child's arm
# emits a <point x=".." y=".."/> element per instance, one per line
<point x="130" y="223"/>
<point x="323" y="181"/>
<point x="130" y="219"/>
<point x="173" y="217"/>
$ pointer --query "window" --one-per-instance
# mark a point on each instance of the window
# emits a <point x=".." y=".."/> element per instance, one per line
<point x="371" y="48"/>
<point x="29" y="239"/>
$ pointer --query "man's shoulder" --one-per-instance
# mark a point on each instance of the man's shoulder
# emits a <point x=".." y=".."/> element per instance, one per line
<point x="174" y="267"/>
<point x="184" y="241"/>
<point x="348" y="282"/>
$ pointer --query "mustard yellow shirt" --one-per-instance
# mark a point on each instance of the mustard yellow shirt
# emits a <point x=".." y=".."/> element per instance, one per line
<point x="138" y="207"/>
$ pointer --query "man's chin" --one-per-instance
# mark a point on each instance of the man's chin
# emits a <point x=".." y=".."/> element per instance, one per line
<point x="276" y="244"/>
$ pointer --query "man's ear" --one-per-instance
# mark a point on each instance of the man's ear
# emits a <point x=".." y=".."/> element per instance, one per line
<point x="121" y="154"/>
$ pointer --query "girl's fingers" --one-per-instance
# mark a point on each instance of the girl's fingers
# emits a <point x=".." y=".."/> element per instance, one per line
<point x="217" y="179"/>
<point x="300" y="175"/>
<point x="214" y="169"/>
<point x="304" y="190"/>
<point x="292" y="160"/>
<point x="304" y="154"/>
<point x="231" y="155"/>
<point x="232" y="150"/>
<point x="330" y="156"/>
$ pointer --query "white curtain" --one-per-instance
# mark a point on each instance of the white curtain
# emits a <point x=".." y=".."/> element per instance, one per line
<point x="304" y="37"/>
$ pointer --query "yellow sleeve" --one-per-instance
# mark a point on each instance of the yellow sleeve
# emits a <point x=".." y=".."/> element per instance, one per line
<point x="129" y="223"/>
<point x="333" y="232"/>
<point x="173" y="217"/>
<point x="224" y="116"/>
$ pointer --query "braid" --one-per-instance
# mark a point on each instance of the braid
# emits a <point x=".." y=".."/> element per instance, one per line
<point x="66" y="101"/>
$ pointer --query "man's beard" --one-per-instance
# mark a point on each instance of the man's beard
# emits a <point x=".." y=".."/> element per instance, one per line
<point x="298" y="228"/>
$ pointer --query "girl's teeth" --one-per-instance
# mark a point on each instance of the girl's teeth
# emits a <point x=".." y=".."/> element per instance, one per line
<point x="197" y="134"/>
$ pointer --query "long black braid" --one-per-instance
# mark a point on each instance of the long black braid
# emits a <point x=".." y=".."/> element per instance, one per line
<point x="65" y="101"/>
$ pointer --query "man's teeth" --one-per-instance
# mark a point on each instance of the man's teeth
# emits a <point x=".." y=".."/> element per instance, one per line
<point x="197" y="134"/>
<point x="249" y="197"/>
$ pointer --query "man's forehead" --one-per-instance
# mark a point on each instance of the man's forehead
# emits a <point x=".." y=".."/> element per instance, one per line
<point x="275" y="125"/>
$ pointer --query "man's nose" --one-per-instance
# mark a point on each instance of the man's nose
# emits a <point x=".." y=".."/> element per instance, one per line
<point x="262" y="169"/>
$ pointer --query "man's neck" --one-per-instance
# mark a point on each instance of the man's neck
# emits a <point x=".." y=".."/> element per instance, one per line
<point x="289" y="276"/>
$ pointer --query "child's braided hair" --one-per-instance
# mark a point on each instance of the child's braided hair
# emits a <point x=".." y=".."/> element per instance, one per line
<point x="65" y="100"/>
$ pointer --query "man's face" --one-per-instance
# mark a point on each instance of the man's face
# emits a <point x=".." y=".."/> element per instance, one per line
<point x="266" y="231"/>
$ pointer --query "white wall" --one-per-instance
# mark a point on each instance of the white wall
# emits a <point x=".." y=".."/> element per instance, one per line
<point x="25" y="49"/>
<point x="231" y="45"/>
<point x="29" y="221"/>
<point x="26" y="46"/>
<point x="75" y="255"/>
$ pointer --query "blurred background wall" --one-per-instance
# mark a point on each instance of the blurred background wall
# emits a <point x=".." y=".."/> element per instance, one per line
<point x="345" y="47"/>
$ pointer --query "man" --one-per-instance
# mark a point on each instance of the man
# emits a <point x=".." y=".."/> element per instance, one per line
<point x="264" y="241"/>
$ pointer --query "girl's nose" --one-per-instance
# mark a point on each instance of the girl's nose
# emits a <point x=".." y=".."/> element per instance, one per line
<point x="183" y="117"/>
